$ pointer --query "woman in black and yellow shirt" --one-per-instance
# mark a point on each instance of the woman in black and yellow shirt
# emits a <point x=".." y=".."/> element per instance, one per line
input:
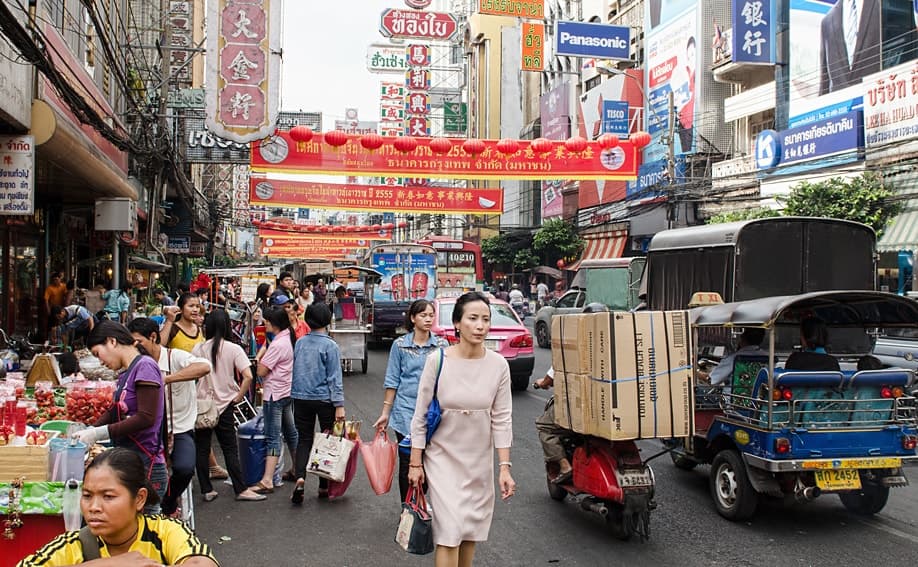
<point x="115" y="491"/>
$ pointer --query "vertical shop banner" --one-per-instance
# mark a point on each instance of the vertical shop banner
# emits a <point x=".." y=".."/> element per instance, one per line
<point x="890" y="113"/>
<point x="533" y="47"/>
<point x="17" y="175"/>
<point x="672" y="61"/>
<point x="828" y="59"/>
<point x="181" y="40"/>
<point x="243" y="69"/>
<point x="753" y="31"/>
<point x="555" y="114"/>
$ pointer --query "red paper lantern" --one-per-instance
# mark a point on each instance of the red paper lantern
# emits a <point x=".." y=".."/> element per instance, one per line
<point x="376" y="227"/>
<point x="405" y="144"/>
<point x="402" y="224"/>
<point x="541" y="145"/>
<point x="639" y="139"/>
<point x="508" y="146"/>
<point x="608" y="141"/>
<point x="301" y="133"/>
<point x="336" y="138"/>
<point x="371" y="141"/>
<point x="560" y="264"/>
<point x="388" y="226"/>
<point x="325" y="228"/>
<point x="473" y="146"/>
<point x="575" y="144"/>
<point x="363" y="228"/>
<point x="441" y="145"/>
<point x="337" y="228"/>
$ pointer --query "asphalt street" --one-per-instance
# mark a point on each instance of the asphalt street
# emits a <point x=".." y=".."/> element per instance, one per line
<point x="531" y="529"/>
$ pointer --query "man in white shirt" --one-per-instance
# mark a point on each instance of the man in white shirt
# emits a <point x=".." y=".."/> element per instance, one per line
<point x="542" y="293"/>
<point x="749" y="343"/>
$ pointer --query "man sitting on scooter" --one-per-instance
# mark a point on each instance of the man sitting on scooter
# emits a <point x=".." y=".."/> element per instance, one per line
<point x="551" y="435"/>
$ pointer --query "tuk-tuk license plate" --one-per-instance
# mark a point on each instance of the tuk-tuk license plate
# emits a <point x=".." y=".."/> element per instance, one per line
<point x="635" y="478"/>
<point x="838" y="479"/>
<point x="862" y="463"/>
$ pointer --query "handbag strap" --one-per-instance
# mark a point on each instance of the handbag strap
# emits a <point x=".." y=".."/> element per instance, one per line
<point x="437" y="380"/>
<point x="168" y="398"/>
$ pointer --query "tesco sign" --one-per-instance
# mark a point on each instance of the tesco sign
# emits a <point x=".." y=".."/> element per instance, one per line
<point x="602" y="41"/>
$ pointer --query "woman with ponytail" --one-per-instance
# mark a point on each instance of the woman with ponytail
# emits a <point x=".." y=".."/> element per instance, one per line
<point x="115" y="492"/>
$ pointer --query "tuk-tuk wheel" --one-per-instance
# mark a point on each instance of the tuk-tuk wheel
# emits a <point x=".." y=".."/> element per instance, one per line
<point x="869" y="500"/>
<point x="733" y="494"/>
<point x="363" y="363"/>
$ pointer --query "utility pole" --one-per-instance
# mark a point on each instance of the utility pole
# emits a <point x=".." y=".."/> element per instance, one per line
<point x="671" y="159"/>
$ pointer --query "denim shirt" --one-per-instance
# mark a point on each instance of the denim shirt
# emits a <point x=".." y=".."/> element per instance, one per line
<point x="406" y="362"/>
<point x="317" y="370"/>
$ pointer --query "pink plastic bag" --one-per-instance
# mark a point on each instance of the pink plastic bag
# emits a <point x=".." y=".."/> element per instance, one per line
<point x="379" y="458"/>
<point x="337" y="489"/>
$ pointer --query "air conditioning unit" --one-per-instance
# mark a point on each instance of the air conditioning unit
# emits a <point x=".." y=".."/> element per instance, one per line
<point x="116" y="214"/>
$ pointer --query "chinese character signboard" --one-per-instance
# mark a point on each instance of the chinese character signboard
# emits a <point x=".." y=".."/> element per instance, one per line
<point x="753" y="31"/>
<point x="889" y="105"/>
<point x="243" y="71"/>
<point x="455" y="117"/>
<point x="392" y="91"/>
<point x="353" y="197"/>
<point x="533" y="48"/>
<point x="534" y="9"/>
<point x="17" y="175"/>
<point x="615" y="117"/>
<point x="386" y="59"/>
<point x="417" y="103"/>
<point x="418" y="56"/>
<point x="181" y="15"/>
<point x="417" y="126"/>
<point x="441" y="26"/>
<point x="822" y="138"/>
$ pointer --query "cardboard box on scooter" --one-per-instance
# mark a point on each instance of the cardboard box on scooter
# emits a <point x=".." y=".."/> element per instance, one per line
<point x="572" y="343"/>
<point x="641" y="380"/>
<point x="571" y="407"/>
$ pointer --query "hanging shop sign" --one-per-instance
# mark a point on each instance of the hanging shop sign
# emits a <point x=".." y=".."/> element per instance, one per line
<point x="384" y="198"/>
<point x="581" y="39"/>
<point x="244" y="74"/>
<point x="890" y="112"/>
<point x="533" y="47"/>
<point x="839" y="134"/>
<point x="297" y="251"/>
<point x="322" y="233"/>
<point x="409" y="24"/>
<point x="575" y="158"/>
<point x="382" y="58"/>
<point x="180" y="41"/>
<point x="17" y="175"/>
<point x="418" y="55"/>
<point x="534" y="9"/>
<point x="286" y="240"/>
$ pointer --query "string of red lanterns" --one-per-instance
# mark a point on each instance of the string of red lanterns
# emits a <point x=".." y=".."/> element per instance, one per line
<point x="473" y="146"/>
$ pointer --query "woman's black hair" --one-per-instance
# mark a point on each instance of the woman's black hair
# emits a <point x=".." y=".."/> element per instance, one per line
<point x="261" y="294"/>
<point x="814" y="332"/>
<point x="55" y="311"/>
<point x="69" y="363"/>
<point x="126" y="287"/>
<point x="278" y="317"/>
<point x="109" y="329"/>
<point x="146" y="327"/>
<point x="216" y="327"/>
<point x="417" y="306"/>
<point x="465" y="299"/>
<point x="128" y="467"/>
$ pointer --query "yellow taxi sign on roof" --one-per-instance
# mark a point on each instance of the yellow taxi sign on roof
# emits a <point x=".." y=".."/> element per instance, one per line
<point x="702" y="298"/>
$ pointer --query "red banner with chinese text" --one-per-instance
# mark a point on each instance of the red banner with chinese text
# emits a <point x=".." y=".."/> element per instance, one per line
<point x="353" y="197"/>
<point x="281" y="154"/>
<point x="352" y="239"/>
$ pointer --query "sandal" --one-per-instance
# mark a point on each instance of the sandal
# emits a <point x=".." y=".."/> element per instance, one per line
<point x="323" y="493"/>
<point x="218" y="473"/>
<point x="211" y="496"/>
<point x="298" y="491"/>
<point x="260" y="488"/>
<point x="243" y="497"/>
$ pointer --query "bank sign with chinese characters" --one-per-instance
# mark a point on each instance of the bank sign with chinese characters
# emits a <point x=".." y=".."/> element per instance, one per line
<point x="579" y="39"/>
<point x="839" y="134"/>
<point x="753" y="31"/>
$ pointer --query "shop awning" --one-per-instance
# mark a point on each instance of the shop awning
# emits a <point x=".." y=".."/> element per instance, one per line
<point x="147" y="264"/>
<point x="902" y="232"/>
<point x="602" y="245"/>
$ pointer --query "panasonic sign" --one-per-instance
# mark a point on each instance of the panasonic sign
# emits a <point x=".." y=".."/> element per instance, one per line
<point x="579" y="39"/>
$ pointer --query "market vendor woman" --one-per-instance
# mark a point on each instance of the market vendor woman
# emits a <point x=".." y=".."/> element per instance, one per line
<point x="115" y="491"/>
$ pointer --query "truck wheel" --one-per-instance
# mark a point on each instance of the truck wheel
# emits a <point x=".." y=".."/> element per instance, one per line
<point x="733" y="494"/>
<point x="542" y="335"/>
<point x="519" y="382"/>
<point x="869" y="500"/>
<point x="682" y="462"/>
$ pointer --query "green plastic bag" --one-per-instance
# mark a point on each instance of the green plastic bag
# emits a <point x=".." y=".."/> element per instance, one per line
<point x="35" y="498"/>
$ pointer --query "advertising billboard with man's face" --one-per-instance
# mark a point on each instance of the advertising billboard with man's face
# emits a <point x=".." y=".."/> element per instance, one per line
<point x="834" y="44"/>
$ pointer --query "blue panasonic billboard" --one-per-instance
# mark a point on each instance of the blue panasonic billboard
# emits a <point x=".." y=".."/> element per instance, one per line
<point x="579" y="39"/>
<point x="834" y="135"/>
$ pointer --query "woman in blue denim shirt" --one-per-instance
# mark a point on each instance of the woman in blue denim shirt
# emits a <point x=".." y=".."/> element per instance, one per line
<point x="406" y="361"/>
<point x="317" y="392"/>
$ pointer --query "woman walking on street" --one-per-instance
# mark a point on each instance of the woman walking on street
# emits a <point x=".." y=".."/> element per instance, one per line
<point x="458" y="463"/>
<point x="406" y="361"/>
<point x="318" y="391"/>
<point x="275" y="369"/>
<point x="227" y="359"/>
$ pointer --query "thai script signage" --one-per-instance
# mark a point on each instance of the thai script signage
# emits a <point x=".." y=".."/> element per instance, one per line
<point x="534" y="9"/>
<point x="244" y="69"/>
<point x="281" y="154"/>
<point x="386" y="59"/>
<point x="891" y="105"/>
<point x="353" y="197"/>
<point x="409" y="24"/>
<point x="818" y="139"/>
<point x="533" y="47"/>
<point x="17" y="175"/>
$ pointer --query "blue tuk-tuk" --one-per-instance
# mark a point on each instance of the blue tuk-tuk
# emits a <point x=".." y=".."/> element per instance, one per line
<point x="796" y="435"/>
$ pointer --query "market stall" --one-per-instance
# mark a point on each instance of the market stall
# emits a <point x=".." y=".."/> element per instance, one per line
<point x="350" y="328"/>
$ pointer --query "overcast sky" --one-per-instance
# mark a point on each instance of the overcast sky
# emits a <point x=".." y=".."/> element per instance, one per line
<point x="324" y="64"/>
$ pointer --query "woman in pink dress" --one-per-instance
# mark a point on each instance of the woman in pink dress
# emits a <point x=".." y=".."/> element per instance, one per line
<point x="458" y="464"/>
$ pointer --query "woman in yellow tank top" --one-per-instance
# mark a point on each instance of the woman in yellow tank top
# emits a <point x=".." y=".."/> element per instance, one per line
<point x="183" y="332"/>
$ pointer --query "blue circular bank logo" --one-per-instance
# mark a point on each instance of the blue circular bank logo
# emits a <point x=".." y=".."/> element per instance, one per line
<point x="767" y="149"/>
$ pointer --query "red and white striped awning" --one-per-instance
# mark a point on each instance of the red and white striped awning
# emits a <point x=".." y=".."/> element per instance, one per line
<point x="602" y="245"/>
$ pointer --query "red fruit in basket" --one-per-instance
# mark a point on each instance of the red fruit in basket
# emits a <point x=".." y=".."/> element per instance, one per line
<point x="20" y="392"/>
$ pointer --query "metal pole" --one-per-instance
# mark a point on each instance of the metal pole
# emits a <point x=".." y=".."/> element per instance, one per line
<point x="116" y="262"/>
<point x="671" y="159"/>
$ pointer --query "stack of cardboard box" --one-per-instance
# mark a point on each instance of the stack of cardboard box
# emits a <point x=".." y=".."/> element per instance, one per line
<point x="623" y="375"/>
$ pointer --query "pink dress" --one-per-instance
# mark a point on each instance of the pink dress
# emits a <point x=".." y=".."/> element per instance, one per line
<point x="459" y="463"/>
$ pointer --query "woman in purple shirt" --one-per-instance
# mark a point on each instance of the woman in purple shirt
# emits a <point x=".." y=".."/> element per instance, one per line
<point x="135" y="420"/>
<point x="275" y="368"/>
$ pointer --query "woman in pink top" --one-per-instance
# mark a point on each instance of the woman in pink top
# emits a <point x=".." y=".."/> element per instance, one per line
<point x="275" y="369"/>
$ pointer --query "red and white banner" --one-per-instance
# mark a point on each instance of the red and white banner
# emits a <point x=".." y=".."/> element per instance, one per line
<point x="243" y="68"/>
<point x="353" y="197"/>
<point x="311" y="233"/>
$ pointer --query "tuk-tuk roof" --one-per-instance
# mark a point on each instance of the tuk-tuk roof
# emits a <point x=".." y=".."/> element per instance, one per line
<point x="362" y="270"/>
<point x="836" y="308"/>
<point x="724" y="234"/>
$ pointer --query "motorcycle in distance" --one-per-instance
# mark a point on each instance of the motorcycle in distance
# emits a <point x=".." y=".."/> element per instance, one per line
<point x="608" y="478"/>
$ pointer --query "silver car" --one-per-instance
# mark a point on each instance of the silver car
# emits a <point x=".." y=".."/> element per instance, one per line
<point x="571" y="302"/>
